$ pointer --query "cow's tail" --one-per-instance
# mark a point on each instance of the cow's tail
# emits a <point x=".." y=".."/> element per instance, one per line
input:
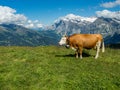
<point x="103" y="46"/>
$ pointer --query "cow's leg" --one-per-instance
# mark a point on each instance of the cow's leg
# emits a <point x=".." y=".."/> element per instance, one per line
<point x="80" y="51"/>
<point x="98" y="49"/>
<point x="76" y="52"/>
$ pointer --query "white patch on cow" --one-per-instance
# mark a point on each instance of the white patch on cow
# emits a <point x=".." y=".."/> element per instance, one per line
<point x="68" y="46"/>
<point x="80" y="56"/>
<point x="73" y="48"/>
<point x="62" y="41"/>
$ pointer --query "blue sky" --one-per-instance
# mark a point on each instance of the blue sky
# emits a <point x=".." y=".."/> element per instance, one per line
<point x="47" y="11"/>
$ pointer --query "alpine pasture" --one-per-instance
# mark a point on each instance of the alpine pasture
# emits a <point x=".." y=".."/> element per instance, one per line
<point x="56" y="68"/>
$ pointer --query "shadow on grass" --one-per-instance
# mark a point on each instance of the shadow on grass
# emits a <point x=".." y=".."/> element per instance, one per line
<point x="73" y="55"/>
<point x="113" y="46"/>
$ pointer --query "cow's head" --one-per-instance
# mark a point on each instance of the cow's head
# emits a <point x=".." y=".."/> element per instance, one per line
<point x="63" y="40"/>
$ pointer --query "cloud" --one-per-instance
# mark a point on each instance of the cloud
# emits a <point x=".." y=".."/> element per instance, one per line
<point x="33" y="24"/>
<point x="111" y="4"/>
<point x="9" y="16"/>
<point x="108" y="14"/>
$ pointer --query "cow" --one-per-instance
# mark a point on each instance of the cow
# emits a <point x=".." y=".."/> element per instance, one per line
<point x="80" y="41"/>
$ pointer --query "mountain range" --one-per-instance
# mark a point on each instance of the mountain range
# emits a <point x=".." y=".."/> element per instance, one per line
<point x="16" y="35"/>
<point x="108" y="27"/>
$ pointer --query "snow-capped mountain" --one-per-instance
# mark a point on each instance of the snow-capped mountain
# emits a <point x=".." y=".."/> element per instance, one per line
<point x="76" y="19"/>
<point x="71" y="24"/>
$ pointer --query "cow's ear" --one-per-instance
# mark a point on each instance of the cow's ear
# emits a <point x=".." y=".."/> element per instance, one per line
<point x="64" y="35"/>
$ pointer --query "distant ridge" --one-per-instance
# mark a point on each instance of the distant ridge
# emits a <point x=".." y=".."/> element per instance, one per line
<point x="15" y="35"/>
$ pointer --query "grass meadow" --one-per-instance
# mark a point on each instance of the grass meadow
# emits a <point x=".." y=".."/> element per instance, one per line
<point x="56" y="68"/>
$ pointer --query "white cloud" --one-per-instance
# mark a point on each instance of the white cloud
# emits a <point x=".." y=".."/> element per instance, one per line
<point x="39" y="25"/>
<point x="108" y="14"/>
<point x="9" y="16"/>
<point x="33" y="24"/>
<point x="111" y="4"/>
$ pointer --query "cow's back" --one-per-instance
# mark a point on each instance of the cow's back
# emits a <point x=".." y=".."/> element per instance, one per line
<point x="84" y="40"/>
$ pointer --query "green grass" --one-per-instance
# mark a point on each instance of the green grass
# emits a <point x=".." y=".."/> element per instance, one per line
<point x="56" y="68"/>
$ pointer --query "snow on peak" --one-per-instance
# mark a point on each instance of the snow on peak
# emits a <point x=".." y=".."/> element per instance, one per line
<point x="72" y="18"/>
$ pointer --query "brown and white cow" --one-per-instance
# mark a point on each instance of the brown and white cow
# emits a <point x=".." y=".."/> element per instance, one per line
<point x="80" y="41"/>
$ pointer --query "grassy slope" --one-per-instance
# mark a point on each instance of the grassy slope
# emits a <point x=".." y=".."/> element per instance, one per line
<point x="56" y="68"/>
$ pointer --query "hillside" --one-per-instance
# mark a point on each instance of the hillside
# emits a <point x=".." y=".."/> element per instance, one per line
<point x="56" y="68"/>
<point x="15" y="35"/>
